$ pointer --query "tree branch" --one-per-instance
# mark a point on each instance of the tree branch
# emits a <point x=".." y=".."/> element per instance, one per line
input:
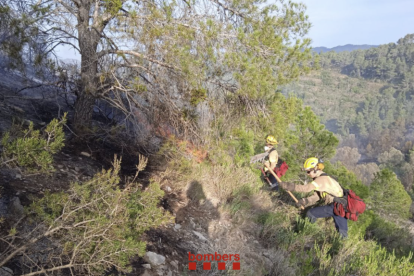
<point x="67" y="7"/>
<point x="49" y="270"/>
<point x="27" y="244"/>
<point x="228" y="8"/>
<point x="136" y="54"/>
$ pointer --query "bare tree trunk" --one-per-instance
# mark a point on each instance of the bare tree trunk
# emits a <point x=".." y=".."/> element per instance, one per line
<point x="87" y="94"/>
<point x="83" y="112"/>
<point x="88" y="44"/>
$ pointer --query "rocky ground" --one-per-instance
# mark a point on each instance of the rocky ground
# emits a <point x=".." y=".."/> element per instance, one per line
<point x="200" y="227"/>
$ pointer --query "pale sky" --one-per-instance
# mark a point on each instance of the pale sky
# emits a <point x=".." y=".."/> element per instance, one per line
<point x="373" y="22"/>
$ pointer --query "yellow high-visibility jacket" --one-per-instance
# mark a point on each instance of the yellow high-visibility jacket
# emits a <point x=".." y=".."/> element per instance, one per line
<point x="272" y="159"/>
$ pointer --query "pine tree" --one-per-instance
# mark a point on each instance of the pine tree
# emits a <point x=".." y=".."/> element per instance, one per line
<point x="360" y="122"/>
<point x="170" y="49"/>
<point x="388" y="195"/>
<point x="308" y="139"/>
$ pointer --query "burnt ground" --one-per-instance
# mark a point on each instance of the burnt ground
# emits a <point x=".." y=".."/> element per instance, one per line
<point x="78" y="161"/>
<point x="21" y="101"/>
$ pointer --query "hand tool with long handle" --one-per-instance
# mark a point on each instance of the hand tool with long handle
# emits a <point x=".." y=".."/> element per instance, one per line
<point x="280" y="181"/>
<point x="258" y="157"/>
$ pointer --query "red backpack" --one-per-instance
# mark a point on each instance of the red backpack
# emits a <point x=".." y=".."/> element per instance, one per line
<point x="281" y="168"/>
<point x="354" y="207"/>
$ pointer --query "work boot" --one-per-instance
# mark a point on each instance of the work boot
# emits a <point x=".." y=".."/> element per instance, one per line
<point x="274" y="187"/>
<point x="311" y="217"/>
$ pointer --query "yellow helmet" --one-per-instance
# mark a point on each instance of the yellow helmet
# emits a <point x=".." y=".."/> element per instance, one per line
<point x="270" y="139"/>
<point x="310" y="163"/>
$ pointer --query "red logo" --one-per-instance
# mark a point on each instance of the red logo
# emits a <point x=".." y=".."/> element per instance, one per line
<point x="208" y="258"/>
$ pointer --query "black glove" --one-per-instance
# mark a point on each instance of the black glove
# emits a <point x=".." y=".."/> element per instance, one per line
<point x="287" y="186"/>
<point x="342" y="201"/>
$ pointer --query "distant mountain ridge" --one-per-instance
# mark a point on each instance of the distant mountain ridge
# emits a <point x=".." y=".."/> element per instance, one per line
<point x="347" y="47"/>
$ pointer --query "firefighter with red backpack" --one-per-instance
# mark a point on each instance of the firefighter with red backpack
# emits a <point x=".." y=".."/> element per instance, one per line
<point x="325" y="188"/>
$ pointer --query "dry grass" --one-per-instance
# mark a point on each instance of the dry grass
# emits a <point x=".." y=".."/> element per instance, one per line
<point x="219" y="182"/>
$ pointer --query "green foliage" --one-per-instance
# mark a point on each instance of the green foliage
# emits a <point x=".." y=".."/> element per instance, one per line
<point x="309" y="138"/>
<point x="381" y="112"/>
<point x="243" y="143"/>
<point x="135" y="84"/>
<point x="18" y="25"/>
<point x="174" y="152"/>
<point x="258" y="46"/>
<point x="347" y="179"/>
<point x="197" y="96"/>
<point x="243" y="135"/>
<point x="277" y="229"/>
<point x="282" y="229"/>
<point x="388" y="69"/>
<point x="389" y="62"/>
<point x="389" y="235"/>
<point x="244" y="59"/>
<point x="307" y="267"/>
<point x="239" y="201"/>
<point x="100" y="224"/>
<point x="33" y="149"/>
<point x="356" y="257"/>
<point x="284" y="112"/>
<point x="301" y="134"/>
<point x="112" y="6"/>
<point x="380" y="262"/>
<point x="305" y="228"/>
<point x="389" y="196"/>
<point x="359" y="229"/>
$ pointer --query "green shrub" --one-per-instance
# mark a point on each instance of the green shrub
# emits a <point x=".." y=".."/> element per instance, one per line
<point x="243" y="145"/>
<point x="389" y="196"/>
<point x="95" y="226"/>
<point x="391" y="236"/>
<point x="32" y="149"/>
<point x="305" y="228"/>
<point x="359" y="228"/>
<point x="356" y="256"/>
<point x="277" y="229"/>
<point x="308" y="138"/>
<point x="380" y="262"/>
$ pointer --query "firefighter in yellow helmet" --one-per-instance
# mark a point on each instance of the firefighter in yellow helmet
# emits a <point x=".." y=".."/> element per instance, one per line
<point x="325" y="188"/>
<point x="271" y="160"/>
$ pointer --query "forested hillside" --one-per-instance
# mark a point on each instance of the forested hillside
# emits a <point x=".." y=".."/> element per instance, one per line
<point x="138" y="158"/>
<point x="366" y="98"/>
<point x="348" y="47"/>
